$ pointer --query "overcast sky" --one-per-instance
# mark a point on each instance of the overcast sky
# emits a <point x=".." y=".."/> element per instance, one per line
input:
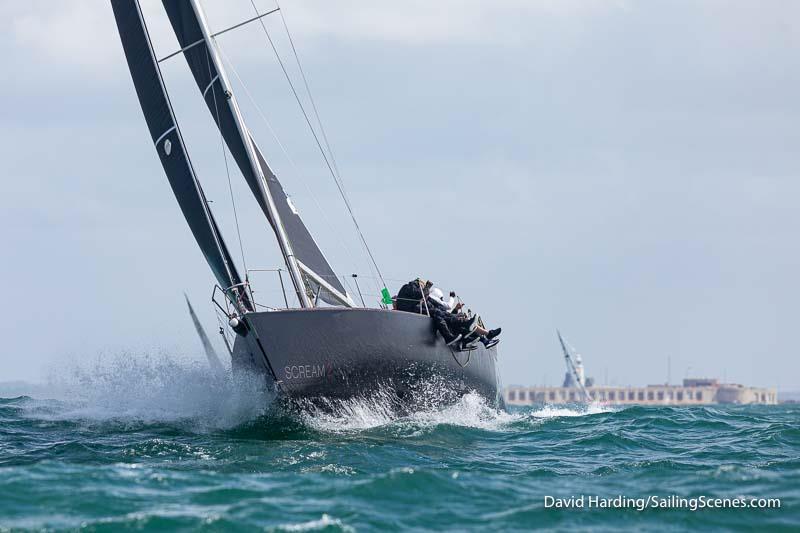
<point x="625" y="171"/>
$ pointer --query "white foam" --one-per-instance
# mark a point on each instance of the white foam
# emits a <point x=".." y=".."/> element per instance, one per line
<point x="471" y="410"/>
<point x="553" y="411"/>
<point x="154" y="389"/>
<point x="353" y="415"/>
<point x="314" y="525"/>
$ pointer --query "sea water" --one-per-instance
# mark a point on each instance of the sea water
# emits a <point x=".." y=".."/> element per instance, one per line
<point x="154" y="444"/>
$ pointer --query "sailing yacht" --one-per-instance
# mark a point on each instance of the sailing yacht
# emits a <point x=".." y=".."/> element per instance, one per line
<point x="326" y="348"/>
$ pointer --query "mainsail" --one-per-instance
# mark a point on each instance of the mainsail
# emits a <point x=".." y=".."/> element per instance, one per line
<point x="317" y="273"/>
<point x="168" y="141"/>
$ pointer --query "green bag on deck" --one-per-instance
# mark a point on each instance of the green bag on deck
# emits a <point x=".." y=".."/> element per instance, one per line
<point x="387" y="298"/>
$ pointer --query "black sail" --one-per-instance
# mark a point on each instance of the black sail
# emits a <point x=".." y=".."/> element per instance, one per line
<point x="314" y="265"/>
<point x="303" y="244"/>
<point x="168" y="141"/>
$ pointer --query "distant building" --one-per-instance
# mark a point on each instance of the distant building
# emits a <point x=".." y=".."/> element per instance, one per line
<point x="693" y="391"/>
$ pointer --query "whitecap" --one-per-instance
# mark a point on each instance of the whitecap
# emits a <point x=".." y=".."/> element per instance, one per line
<point x="554" y="411"/>
<point x="323" y="522"/>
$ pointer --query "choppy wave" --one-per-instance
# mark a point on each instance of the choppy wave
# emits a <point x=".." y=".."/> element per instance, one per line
<point x="154" y="443"/>
<point x="556" y="411"/>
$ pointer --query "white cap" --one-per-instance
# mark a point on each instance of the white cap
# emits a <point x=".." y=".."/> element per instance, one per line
<point x="437" y="293"/>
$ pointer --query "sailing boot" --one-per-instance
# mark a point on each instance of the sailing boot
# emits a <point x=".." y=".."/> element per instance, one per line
<point x="493" y="333"/>
<point x="489" y="343"/>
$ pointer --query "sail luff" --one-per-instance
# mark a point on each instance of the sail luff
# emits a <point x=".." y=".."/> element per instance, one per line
<point x="307" y="252"/>
<point x="293" y="237"/>
<point x="169" y="144"/>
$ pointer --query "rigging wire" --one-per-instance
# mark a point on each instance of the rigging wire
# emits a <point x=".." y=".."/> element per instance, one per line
<point x="285" y="152"/>
<point x="227" y="168"/>
<point x="338" y="174"/>
<point x="308" y="92"/>
<point x="336" y="178"/>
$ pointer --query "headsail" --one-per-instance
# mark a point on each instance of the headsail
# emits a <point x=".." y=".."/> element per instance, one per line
<point x="316" y="271"/>
<point x="211" y="353"/>
<point x="171" y="150"/>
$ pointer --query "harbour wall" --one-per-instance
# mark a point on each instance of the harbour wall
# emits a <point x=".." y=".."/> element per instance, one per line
<point x="648" y="395"/>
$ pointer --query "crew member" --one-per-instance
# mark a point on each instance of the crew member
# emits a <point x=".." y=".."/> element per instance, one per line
<point x="486" y="336"/>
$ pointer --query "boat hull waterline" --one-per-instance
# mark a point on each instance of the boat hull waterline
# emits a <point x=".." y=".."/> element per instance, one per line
<point x="333" y="354"/>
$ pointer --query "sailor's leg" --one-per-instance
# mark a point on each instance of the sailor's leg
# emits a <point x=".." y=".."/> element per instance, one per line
<point x="461" y="323"/>
<point x="440" y="320"/>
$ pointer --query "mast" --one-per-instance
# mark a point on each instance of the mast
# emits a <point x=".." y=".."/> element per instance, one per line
<point x="280" y="231"/>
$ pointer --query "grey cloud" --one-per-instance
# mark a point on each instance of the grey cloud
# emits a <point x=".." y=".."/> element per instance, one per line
<point x="626" y="172"/>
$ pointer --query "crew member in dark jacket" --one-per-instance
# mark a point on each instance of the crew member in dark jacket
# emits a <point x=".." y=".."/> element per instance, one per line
<point x="409" y="297"/>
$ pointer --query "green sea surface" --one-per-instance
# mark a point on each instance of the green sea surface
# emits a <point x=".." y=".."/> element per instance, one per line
<point x="168" y="446"/>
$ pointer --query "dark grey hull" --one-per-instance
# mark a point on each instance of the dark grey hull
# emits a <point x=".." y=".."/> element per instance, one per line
<point x="334" y="354"/>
